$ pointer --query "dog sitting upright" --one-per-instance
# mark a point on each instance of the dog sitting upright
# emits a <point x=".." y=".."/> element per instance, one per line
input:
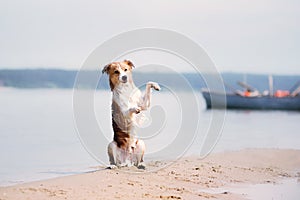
<point x="127" y="103"/>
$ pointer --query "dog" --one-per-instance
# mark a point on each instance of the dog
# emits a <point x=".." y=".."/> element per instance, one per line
<point x="127" y="103"/>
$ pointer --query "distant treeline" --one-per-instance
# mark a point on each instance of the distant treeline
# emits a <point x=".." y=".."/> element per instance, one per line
<point x="37" y="78"/>
<point x="49" y="78"/>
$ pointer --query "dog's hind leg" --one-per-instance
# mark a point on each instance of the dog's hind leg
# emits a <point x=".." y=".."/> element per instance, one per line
<point x="139" y="154"/>
<point x="112" y="154"/>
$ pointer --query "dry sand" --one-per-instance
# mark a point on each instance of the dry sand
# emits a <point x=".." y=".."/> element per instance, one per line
<point x="187" y="178"/>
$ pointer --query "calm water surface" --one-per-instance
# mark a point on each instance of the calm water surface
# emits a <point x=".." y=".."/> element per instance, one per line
<point x="39" y="138"/>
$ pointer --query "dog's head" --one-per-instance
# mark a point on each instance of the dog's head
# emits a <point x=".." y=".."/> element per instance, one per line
<point x="119" y="72"/>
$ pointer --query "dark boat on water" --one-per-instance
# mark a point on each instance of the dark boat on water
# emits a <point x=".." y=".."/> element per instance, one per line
<point x="280" y="100"/>
<point x="234" y="101"/>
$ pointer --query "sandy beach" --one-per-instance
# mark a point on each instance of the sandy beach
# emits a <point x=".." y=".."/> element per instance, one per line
<point x="187" y="178"/>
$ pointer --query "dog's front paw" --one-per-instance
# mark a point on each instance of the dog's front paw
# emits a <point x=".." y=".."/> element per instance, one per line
<point x="155" y="86"/>
<point x="135" y="110"/>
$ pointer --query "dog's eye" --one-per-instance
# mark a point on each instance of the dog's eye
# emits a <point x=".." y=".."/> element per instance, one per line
<point x="125" y="70"/>
<point x="116" y="72"/>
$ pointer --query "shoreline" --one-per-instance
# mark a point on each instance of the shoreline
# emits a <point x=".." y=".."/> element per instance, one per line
<point x="187" y="178"/>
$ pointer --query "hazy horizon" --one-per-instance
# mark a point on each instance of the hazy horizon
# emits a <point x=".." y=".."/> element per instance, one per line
<point x="222" y="72"/>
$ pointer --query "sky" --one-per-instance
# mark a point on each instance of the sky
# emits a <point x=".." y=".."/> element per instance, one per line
<point x="254" y="36"/>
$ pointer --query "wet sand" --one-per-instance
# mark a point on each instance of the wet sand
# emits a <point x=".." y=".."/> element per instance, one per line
<point x="187" y="178"/>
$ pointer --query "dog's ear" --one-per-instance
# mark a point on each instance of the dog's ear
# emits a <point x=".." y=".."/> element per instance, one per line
<point x="106" y="68"/>
<point x="128" y="62"/>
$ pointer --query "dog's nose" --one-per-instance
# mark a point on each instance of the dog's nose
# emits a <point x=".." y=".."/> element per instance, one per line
<point x="124" y="78"/>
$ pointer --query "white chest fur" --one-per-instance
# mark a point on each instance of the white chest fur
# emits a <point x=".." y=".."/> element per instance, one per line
<point x="127" y="97"/>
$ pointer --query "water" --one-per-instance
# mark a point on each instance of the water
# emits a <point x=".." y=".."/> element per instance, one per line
<point x="285" y="189"/>
<point x="39" y="138"/>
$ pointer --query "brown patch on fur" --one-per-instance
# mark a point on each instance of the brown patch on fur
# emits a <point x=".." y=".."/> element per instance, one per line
<point x="120" y="137"/>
